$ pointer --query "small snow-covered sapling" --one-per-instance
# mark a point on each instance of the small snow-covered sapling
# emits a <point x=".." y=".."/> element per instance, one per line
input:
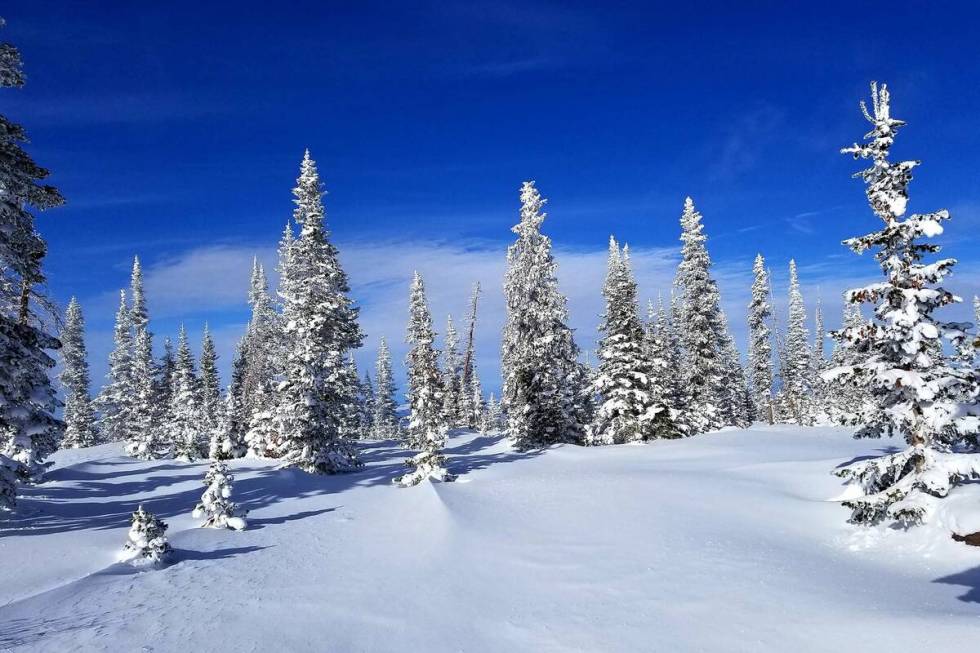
<point x="216" y="506"/>
<point x="147" y="539"/>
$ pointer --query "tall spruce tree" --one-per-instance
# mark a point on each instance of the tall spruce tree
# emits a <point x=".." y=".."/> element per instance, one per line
<point x="116" y="395"/>
<point x="545" y="388"/>
<point x="760" y="343"/>
<point x="452" y="377"/>
<point x="384" y="423"/>
<point x="818" y="365"/>
<point x="629" y="409"/>
<point x="698" y="323"/>
<point x="664" y="349"/>
<point x="29" y="431"/>
<point x="926" y="397"/>
<point x="318" y="392"/>
<point x="735" y="402"/>
<point x="79" y="417"/>
<point x="209" y="393"/>
<point x="185" y="430"/>
<point x="165" y="376"/>
<point x="139" y="315"/>
<point x="427" y="420"/>
<point x="146" y="437"/>
<point x="795" y="358"/>
<point x="472" y="390"/>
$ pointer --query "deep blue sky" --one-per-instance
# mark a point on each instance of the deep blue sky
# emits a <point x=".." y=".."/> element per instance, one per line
<point x="175" y="133"/>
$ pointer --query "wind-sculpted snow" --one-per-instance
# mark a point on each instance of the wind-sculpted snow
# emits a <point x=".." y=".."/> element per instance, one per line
<point x="722" y="542"/>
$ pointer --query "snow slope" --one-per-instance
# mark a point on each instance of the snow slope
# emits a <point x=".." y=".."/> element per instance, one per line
<point x="722" y="542"/>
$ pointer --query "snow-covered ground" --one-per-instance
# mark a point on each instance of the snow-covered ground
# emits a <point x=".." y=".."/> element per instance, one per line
<point x="723" y="542"/>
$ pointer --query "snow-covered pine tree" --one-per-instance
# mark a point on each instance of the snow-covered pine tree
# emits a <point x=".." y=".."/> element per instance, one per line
<point x="317" y="393"/>
<point x="818" y="364"/>
<point x="794" y="361"/>
<point x="848" y="397"/>
<point x="78" y="416"/>
<point x="472" y="390"/>
<point x="209" y="386"/>
<point x="366" y="404"/>
<point x="926" y="398"/>
<point x="664" y="351"/>
<point x="165" y="376"/>
<point x="114" y="399"/>
<point x="735" y="403"/>
<point x="698" y="307"/>
<point x="29" y="432"/>
<point x="760" y="343"/>
<point x="185" y="431"/>
<point x="216" y="507"/>
<point x="146" y="439"/>
<point x="384" y="422"/>
<point x="147" y="540"/>
<point x="545" y="388"/>
<point x="493" y="418"/>
<point x="139" y="315"/>
<point x="452" y="386"/>
<point x="427" y="421"/>
<point x="629" y="409"/>
<point x="262" y="347"/>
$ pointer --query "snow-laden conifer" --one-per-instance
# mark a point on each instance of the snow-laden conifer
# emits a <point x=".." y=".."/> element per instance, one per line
<point x="427" y="420"/>
<point x="29" y="432"/>
<point x="147" y="439"/>
<point x="818" y="365"/>
<point x="663" y="347"/>
<point x="927" y="398"/>
<point x="216" y="507"/>
<point x="262" y="347"/>
<point x="735" y="403"/>
<point x="165" y="376"/>
<point x="114" y="399"/>
<point x="139" y="315"/>
<point x="209" y="386"/>
<point x="493" y="418"/>
<point x="78" y="416"/>
<point x="697" y="323"/>
<point x="384" y="422"/>
<point x="147" y="540"/>
<point x="185" y="430"/>
<point x="545" y="388"/>
<point x="760" y="343"/>
<point x="317" y="393"/>
<point x="452" y="381"/>
<point x="795" y="395"/>
<point x="629" y="408"/>
<point x="471" y="399"/>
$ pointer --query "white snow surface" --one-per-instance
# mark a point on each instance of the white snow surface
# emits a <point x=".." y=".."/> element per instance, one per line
<point x="721" y="542"/>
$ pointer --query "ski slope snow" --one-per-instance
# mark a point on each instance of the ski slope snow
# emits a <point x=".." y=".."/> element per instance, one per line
<point x="722" y="542"/>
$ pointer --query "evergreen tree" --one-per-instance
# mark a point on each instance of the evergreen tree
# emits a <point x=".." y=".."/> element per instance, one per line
<point x="794" y="367"/>
<point x="114" y="399"/>
<point x="493" y="419"/>
<point x="760" y="343"/>
<point x="147" y="541"/>
<point x="216" y="507"/>
<point x="139" y="316"/>
<point x="452" y="377"/>
<point x="664" y="350"/>
<point x="472" y="391"/>
<point x="849" y="399"/>
<point x="29" y="431"/>
<point x="818" y="365"/>
<point x="545" y="388"/>
<point x="209" y="386"/>
<point x="427" y="421"/>
<point x="262" y="348"/>
<point x="698" y="323"/>
<point x="384" y="423"/>
<point x="146" y="439"/>
<point x="165" y="376"/>
<point x="630" y="409"/>
<point x="366" y="404"/>
<point x="735" y="402"/>
<point x="78" y="416"/>
<point x="185" y="430"/>
<point x="925" y="397"/>
<point x="318" y="393"/>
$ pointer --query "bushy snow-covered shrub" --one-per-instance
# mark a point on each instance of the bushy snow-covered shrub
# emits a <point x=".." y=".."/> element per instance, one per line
<point x="216" y="506"/>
